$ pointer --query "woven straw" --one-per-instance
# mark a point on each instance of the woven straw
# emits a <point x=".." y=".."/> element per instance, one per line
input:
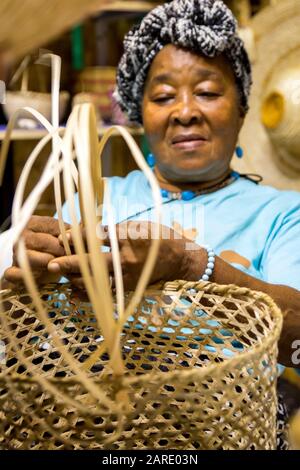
<point x="27" y="25"/>
<point x="170" y="368"/>
<point x="200" y="373"/>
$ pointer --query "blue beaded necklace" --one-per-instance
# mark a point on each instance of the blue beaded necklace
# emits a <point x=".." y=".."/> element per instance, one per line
<point x="169" y="196"/>
<point x="188" y="195"/>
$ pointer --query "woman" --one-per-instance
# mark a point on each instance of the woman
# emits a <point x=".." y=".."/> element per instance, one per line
<point x="186" y="77"/>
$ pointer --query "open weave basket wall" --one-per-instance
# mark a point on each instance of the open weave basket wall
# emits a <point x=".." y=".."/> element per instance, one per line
<point x="200" y="372"/>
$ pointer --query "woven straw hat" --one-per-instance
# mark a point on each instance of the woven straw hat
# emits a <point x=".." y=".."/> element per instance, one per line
<point x="271" y="133"/>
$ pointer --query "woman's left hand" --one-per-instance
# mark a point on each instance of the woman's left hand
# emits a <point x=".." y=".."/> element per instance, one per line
<point x="178" y="257"/>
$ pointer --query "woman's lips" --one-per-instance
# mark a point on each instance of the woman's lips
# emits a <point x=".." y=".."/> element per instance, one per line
<point x="189" y="144"/>
<point x="188" y="140"/>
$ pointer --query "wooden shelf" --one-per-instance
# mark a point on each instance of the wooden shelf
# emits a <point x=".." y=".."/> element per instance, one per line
<point x="37" y="134"/>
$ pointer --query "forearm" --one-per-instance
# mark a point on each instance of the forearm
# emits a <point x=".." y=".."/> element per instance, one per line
<point x="287" y="298"/>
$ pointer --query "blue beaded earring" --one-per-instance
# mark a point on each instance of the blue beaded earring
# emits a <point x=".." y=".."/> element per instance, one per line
<point x="150" y="160"/>
<point x="239" y="152"/>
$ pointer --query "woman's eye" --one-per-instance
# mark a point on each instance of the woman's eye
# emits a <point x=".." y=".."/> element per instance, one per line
<point x="162" y="99"/>
<point x="208" y="94"/>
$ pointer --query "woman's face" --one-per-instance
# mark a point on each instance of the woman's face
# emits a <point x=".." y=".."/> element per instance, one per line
<point x="191" y="115"/>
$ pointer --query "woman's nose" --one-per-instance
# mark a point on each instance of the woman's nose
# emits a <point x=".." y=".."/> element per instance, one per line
<point x="186" y="111"/>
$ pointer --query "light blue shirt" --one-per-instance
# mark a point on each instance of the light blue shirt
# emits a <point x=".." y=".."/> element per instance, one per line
<point x="260" y="224"/>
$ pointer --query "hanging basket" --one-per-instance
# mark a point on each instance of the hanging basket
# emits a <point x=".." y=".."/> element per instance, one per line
<point x="200" y="372"/>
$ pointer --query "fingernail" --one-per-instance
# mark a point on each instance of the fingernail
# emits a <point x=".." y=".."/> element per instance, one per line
<point x="54" y="267"/>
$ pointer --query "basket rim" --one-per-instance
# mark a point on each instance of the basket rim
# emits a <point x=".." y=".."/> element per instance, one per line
<point x="240" y="359"/>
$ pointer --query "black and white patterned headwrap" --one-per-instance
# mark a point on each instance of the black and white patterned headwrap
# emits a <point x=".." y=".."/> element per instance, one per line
<point x="207" y="27"/>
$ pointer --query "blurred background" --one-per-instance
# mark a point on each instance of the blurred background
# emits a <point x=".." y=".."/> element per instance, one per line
<point x="90" y="50"/>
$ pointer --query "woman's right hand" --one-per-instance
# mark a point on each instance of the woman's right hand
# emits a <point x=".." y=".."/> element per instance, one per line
<point x="42" y="244"/>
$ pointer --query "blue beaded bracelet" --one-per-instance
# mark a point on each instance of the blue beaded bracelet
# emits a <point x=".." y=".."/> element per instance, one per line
<point x="211" y="258"/>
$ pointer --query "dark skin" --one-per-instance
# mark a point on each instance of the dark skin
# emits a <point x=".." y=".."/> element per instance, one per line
<point x="191" y="95"/>
<point x="188" y="96"/>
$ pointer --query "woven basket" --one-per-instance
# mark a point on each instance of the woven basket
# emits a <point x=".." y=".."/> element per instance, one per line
<point x="162" y="369"/>
<point x="39" y="101"/>
<point x="201" y="372"/>
<point x="101" y="82"/>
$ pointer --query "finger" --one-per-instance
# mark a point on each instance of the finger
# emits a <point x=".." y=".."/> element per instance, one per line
<point x="4" y="284"/>
<point x="43" y="224"/>
<point x="70" y="264"/>
<point x="43" y="242"/>
<point x="15" y="275"/>
<point x="37" y="260"/>
<point x="65" y="264"/>
<point x="70" y="238"/>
